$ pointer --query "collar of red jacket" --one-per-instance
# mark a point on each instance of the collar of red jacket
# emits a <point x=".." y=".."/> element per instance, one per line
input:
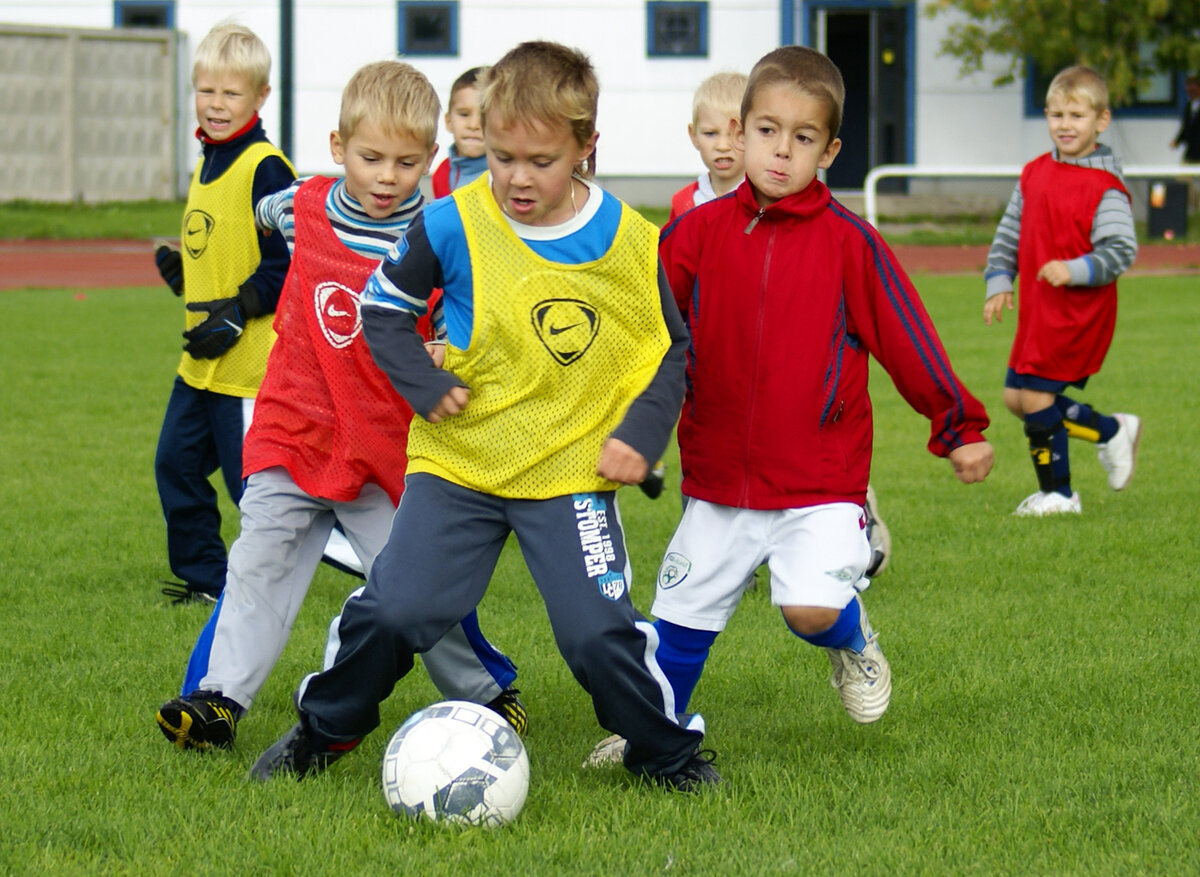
<point x="809" y="201"/>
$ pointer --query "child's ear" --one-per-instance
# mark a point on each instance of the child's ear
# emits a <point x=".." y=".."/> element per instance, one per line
<point x="262" y="98"/>
<point x="432" y="155"/>
<point x="738" y="133"/>
<point x="336" y="148"/>
<point x="1102" y="120"/>
<point x="830" y="153"/>
<point x="692" y="135"/>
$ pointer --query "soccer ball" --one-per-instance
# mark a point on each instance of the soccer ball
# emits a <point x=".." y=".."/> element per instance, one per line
<point x="456" y="762"/>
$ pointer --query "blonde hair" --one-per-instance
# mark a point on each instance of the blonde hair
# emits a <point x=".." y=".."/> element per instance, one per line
<point x="544" y="82"/>
<point x="721" y="92"/>
<point x="806" y="70"/>
<point x="394" y="96"/>
<point x="1082" y="84"/>
<point x="233" y="48"/>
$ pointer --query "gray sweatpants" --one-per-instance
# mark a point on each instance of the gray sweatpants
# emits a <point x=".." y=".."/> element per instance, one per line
<point x="435" y="568"/>
<point x="271" y="564"/>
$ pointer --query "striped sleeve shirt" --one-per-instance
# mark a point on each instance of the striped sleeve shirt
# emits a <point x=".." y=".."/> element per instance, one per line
<point x="1114" y="241"/>
<point x="361" y="233"/>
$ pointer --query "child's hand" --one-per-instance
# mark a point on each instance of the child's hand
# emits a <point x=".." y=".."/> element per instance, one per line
<point x="452" y="403"/>
<point x="621" y="463"/>
<point x="972" y="462"/>
<point x="994" y="306"/>
<point x="437" y="352"/>
<point x="1055" y="272"/>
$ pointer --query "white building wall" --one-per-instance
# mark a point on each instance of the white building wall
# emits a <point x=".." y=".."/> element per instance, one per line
<point x="645" y="103"/>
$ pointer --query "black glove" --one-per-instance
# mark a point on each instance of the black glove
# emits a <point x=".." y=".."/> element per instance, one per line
<point x="225" y="323"/>
<point x="170" y="266"/>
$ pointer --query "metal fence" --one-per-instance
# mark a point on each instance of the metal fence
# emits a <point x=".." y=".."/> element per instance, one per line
<point x="88" y="115"/>
<point x="908" y="171"/>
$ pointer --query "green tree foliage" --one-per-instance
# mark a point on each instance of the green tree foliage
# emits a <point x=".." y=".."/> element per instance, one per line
<point x="1127" y="41"/>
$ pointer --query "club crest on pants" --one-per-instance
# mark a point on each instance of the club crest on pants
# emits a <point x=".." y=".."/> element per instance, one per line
<point x="675" y="568"/>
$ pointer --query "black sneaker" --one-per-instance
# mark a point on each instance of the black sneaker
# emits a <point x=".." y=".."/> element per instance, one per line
<point x="652" y="485"/>
<point x="299" y="754"/>
<point x="182" y="592"/>
<point x="202" y="720"/>
<point x="510" y="708"/>
<point x="697" y="773"/>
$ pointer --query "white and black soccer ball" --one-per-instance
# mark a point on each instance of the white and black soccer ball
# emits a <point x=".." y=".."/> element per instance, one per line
<point x="456" y="762"/>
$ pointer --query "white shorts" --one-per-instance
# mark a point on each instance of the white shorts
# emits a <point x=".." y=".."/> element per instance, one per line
<point x="817" y="556"/>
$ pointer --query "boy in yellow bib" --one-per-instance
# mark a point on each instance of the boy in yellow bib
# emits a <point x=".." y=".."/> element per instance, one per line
<point x="230" y="277"/>
<point x="563" y="376"/>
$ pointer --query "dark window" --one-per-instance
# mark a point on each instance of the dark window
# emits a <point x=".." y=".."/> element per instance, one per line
<point x="1161" y="96"/>
<point x="139" y="13"/>
<point x="427" y="28"/>
<point x="677" y="30"/>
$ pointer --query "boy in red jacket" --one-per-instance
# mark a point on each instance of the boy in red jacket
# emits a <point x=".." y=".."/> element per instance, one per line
<point x="775" y="435"/>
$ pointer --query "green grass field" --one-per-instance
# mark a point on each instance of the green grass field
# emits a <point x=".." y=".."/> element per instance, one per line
<point x="1042" y="721"/>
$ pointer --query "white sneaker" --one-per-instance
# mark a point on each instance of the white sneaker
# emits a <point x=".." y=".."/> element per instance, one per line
<point x="863" y="679"/>
<point x="1119" y="455"/>
<point x="1039" y="504"/>
<point x="877" y="535"/>
<point x="611" y="750"/>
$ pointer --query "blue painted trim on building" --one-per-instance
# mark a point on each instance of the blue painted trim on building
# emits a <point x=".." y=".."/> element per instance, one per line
<point x="402" y="37"/>
<point x="120" y="6"/>
<point x="652" y="50"/>
<point x="1035" y="104"/>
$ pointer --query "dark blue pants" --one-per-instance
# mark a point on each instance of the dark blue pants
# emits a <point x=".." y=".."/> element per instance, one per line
<point x="202" y="431"/>
<point x="434" y="570"/>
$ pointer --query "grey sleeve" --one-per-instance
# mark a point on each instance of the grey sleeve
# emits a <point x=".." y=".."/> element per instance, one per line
<point x="1001" y="267"/>
<point x="1114" y="243"/>
<point x="651" y="418"/>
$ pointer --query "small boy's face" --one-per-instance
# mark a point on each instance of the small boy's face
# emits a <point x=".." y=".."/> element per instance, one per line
<point x="786" y="139"/>
<point x="1075" y="126"/>
<point x="383" y="168"/>
<point x="226" y="102"/>
<point x="462" y="121"/>
<point x="713" y="135"/>
<point x="531" y="166"/>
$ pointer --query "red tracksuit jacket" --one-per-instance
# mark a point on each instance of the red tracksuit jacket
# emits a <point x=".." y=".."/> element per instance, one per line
<point x="784" y="304"/>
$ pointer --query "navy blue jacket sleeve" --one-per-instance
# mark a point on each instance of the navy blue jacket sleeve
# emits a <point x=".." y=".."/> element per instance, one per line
<point x="651" y="418"/>
<point x="271" y="175"/>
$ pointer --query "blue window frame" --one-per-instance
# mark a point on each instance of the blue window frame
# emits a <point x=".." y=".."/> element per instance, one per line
<point x="144" y="13"/>
<point x="1162" y="96"/>
<point x="427" y="28"/>
<point x="677" y="30"/>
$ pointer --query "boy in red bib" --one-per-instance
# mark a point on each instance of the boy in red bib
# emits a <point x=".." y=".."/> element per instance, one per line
<point x="1068" y="231"/>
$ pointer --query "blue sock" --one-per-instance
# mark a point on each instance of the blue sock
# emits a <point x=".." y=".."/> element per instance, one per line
<point x="681" y="654"/>
<point x="1084" y="421"/>
<point x="844" y="633"/>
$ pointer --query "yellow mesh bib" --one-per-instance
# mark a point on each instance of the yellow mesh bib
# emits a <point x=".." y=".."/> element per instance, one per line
<point x="557" y="354"/>
<point x="220" y="250"/>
